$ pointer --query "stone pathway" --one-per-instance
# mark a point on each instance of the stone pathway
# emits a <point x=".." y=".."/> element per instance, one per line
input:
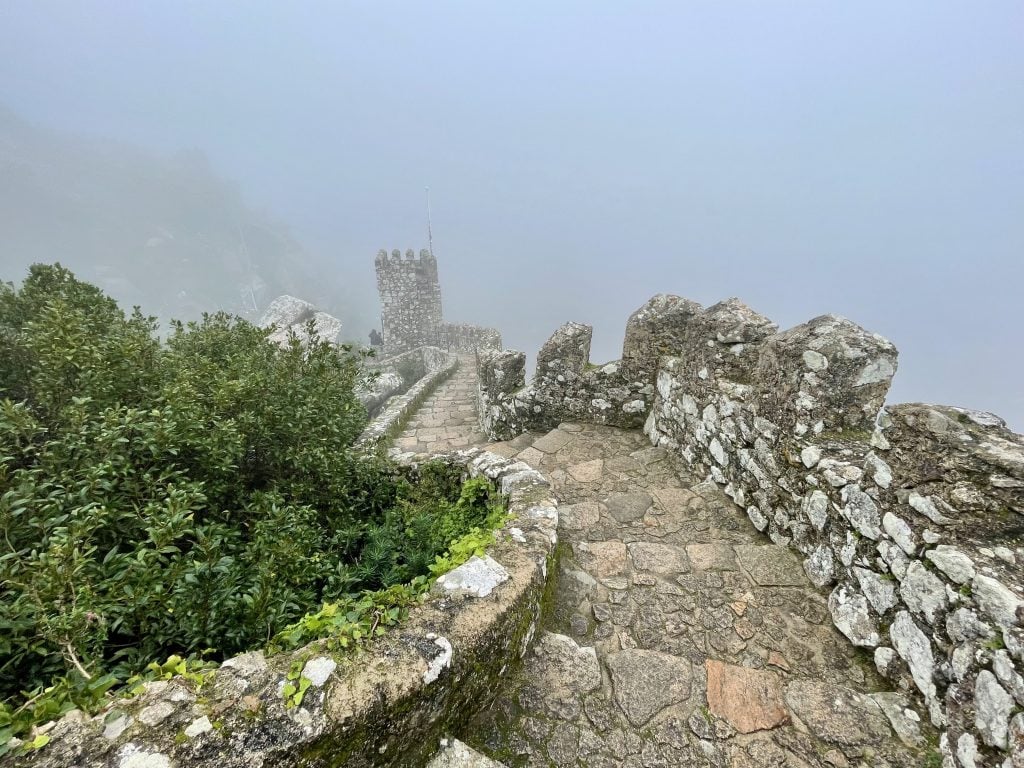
<point x="679" y="636"/>
<point x="447" y="420"/>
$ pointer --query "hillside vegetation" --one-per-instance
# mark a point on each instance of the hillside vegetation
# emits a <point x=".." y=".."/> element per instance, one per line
<point x="196" y="496"/>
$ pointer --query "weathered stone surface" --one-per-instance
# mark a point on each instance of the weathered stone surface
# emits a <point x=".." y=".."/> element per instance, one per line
<point x="659" y="327"/>
<point x="913" y="647"/>
<point x="967" y="751"/>
<point x="993" y="706"/>
<point x="579" y="517"/>
<point x="837" y="715"/>
<point x="455" y="754"/>
<point x="198" y="727"/>
<point x="318" y="670"/>
<point x="748" y="699"/>
<point x="289" y="315"/>
<point x="587" y="471"/>
<point x="626" y="507"/>
<point x="880" y="592"/>
<point x="862" y="511"/>
<point x="1009" y="678"/>
<point x="885" y="661"/>
<point x="923" y="592"/>
<point x="645" y="682"/>
<point x="711" y="557"/>
<point x="603" y="558"/>
<point x="980" y="461"/>
<point x="660" y="558"/>
<point x="820" y="566"/>
<point x="997" y="601"/>
<point x="815" y="505"/>
<point x="567" y="351"/>
<point x="900" y="532"/>
<point x="771" y="565"/>
<point x="552" y="442"/>
<point x="478" y="576"/>
<point x="1016" y="741"/>
<point x="903" y="720"/>
<point x="285" y="311"/>
<point x="957" y="566"/>
<point x="851" y="371"/>
<point x="564" y="664"/>
<point x="851" y="616"/>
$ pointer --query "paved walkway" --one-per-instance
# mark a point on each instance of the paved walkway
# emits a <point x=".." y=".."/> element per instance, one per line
<point x="447" y="420"/>
<point x="679" y="636"/>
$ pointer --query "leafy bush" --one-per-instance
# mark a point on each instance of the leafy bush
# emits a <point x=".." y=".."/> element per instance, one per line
<point x="194" y="497"/>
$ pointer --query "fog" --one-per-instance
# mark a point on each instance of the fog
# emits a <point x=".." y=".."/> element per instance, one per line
<point x="865" y="159"/>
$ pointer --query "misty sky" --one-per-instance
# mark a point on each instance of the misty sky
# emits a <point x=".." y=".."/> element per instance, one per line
<point x="862" y="158"/>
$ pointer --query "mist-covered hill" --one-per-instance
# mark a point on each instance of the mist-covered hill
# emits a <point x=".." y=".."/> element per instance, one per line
<point x="163" y="232"/>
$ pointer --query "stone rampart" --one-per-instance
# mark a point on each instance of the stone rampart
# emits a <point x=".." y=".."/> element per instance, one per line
<point x="388" y="705"/>
<point x="912" y="515"/>
<point x="463" y="337"/>
<point x="410" y="296"/>
<point x="438" y="366"/>
<point x="395" y="375"/>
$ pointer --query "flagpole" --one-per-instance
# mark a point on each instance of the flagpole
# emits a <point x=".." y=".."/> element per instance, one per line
<point x="430" y="233"/>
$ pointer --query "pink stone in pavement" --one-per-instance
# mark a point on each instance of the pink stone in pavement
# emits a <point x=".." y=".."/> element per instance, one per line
<point x="748" y="699"/>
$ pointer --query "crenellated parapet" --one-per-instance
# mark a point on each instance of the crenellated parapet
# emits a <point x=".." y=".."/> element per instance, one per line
<point x="411" y="314"/>
<point x="912" y="515"/>
<point x="410" y="296"/>
<point x="464" y="337"/>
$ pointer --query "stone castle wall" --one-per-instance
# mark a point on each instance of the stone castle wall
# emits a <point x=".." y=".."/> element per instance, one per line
<point x="411" y="314"/>
<point x="410" y="297"/>
<point x="913" y="515"/>
<point x="463" y="337"/>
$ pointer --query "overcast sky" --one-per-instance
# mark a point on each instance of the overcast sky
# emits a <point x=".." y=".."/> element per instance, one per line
<point x="861" y="158"/>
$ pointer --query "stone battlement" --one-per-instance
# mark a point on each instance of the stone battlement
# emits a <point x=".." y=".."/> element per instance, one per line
<point x="411" y="314"/>
<point x="912" y="515"/>
<point x="410" y="297"/>
<point x="396" y="257"/>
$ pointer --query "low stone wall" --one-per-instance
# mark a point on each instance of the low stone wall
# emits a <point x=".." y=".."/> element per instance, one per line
<point x="567" y="387"/>
<point x="387" y="705"/>
<point x="796" y="439"/>
<point x="462" y="337"/>
<point x="388" y="422"/>
<point x="396" y="374"/>
<point x="912" y="515"/>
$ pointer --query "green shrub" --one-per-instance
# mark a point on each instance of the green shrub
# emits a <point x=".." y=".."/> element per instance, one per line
<point x="193" y="497"/>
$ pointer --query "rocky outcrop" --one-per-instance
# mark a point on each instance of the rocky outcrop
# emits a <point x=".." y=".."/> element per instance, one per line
<point x="291" y="316"/>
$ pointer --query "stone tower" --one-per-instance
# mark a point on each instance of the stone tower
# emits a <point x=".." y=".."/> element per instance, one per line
<point x="410" y="297"/>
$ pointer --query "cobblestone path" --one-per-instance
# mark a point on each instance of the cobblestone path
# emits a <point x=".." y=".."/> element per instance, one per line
<point x="679" y="636"/>
<point x="447" y="420"/>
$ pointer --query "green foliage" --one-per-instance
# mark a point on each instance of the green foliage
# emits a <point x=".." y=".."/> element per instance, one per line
<point x="187" y="498"/>
<point x="295" y="689"/>
<point x="359" y="618"/>
<point x="196" y="672"/>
